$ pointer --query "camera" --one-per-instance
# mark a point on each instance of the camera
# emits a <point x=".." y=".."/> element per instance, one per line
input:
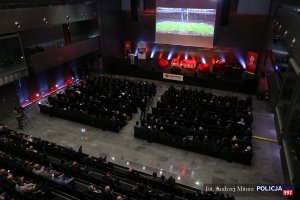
<point x="20" y="109"/>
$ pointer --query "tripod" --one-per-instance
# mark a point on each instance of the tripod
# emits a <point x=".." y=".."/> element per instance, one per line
<point x="27" y="120"/>
<point x="22" y="117"/>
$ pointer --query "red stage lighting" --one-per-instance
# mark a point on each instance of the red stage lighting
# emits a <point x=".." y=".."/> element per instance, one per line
<point x="213" y="61"/>
<point x="193" y="58"/>
<point x="160" y="55"/>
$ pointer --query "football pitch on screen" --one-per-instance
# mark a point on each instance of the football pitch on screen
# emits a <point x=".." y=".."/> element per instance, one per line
<point x="184" y="27"/>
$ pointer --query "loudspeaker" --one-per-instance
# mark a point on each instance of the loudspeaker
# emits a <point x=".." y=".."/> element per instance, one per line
<point x="134" y="9"/>
<point x="225" y="12"/>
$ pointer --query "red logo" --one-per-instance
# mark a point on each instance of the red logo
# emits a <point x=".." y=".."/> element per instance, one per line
<point x="251" y="62"/>
<point x="287" y="193"/>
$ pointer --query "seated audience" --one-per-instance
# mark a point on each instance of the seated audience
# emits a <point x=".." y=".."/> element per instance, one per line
<point x="63" y="165"/>
<point x="200" y="121"/>
<point x="104" y="102"/>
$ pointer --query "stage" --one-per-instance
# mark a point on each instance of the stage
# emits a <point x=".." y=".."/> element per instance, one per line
<point x="216" y="79"/>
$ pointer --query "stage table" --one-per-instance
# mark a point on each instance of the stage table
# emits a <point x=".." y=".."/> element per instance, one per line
<point x="188" y="64"/>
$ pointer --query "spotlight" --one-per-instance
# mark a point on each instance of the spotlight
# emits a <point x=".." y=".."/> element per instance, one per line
<point x="68" y="17"/>
<point x="293" y="42"/>
<point x="144" y="168"/>
<point x="170" y="55"/>
<point x="56" y="85"/>
<point x="37" y="94"/>
<point x="203" y="60"/>
<point x="277" y="38"/>
<point x="113" y="158"/>
<point x="222" y="58"/>
<point x="136" y="52"/>
<point x="161" y="54"/>
<point x="17" y="24"/>
<point x="197" y="182"/>
<point x="127" y="163"/>
<point x="178" y="178"/>
<point x="153" y="52"/>
<point x="186" y="56"/>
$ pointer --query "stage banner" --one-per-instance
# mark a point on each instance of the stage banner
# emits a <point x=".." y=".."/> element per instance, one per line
<point x="251" y="62"/>
<point x="142" y="51"/>
<point x="174" y="77"/>
<point x="127" y="48"/>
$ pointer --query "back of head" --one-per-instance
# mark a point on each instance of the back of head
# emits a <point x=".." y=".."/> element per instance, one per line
<point x="36" y="166"/>
<point x="2" y="171"/>
<point x="107" y="189"/>
<point x="20" y="181"/>
<point x="119" y="198"/>
<point x="154" y="174"/>
<point x="91" y="188"/>
<point x="10" y="178"/>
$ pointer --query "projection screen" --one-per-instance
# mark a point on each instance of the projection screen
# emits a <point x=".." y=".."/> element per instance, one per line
<point x="185" y="22"/>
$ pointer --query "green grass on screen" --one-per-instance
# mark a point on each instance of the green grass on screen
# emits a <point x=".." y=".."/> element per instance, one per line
<point x="185" y="27"/>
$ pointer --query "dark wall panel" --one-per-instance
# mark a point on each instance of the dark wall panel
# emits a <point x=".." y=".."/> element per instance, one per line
<point x="84" y="29"/>
<point x="244" y="32"/>
<point x="8" y="100"/>
<point x="43" y="35"/>
<point x="110" y="25"/>
<point x="31" y="18"/>
<point x="290" y="21"/>
<point x="254" y="7"/>
<point x="50" y="58"/>
<point x="110" y="30"/>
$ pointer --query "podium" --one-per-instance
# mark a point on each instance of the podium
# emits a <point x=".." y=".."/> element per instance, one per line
<point x="131" y="56"/>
